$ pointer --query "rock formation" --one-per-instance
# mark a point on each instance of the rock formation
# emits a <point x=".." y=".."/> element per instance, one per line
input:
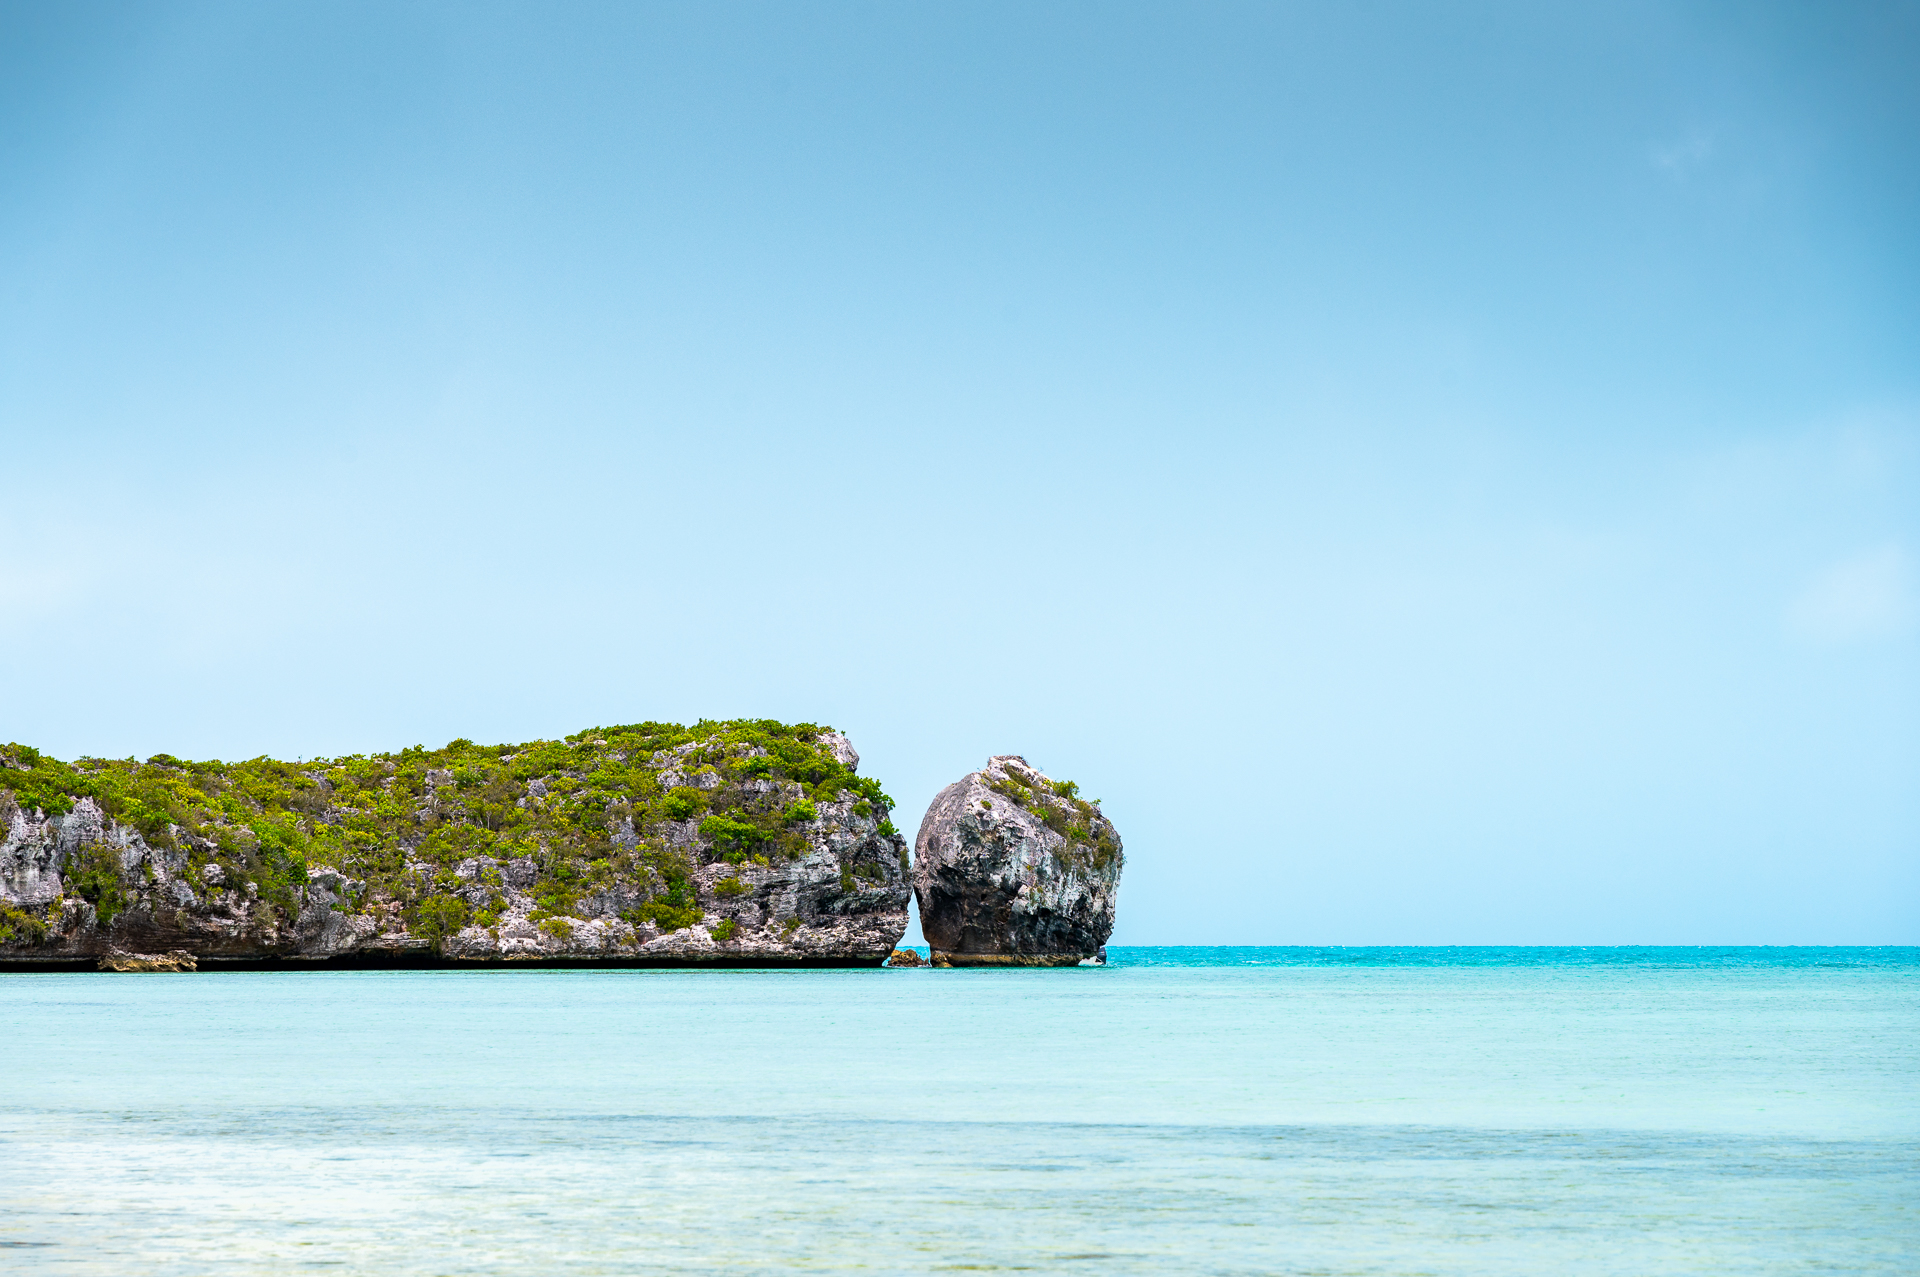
<point x="747" y="843"/>
<point x="1014" y="869"/>
<point x="178" y="960"/>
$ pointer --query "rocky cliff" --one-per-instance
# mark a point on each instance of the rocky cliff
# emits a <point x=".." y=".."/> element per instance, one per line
<point x="727" y="843"/>
<point x="1012" y="868"/>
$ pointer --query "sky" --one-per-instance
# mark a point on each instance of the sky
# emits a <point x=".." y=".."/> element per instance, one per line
<point x="1441" y="474"/>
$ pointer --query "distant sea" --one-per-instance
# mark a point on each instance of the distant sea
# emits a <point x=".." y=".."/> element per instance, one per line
<point x="1216" y="1110"/>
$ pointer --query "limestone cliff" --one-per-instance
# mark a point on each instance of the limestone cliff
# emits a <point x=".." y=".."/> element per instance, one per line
<point x="1012" y="868"/>
<point x="735" y="843"/>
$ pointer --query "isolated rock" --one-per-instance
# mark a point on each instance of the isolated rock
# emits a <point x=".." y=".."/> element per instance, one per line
<point x="177" y="960"/>
<point x="1012" y="868"/>
<point x="743" y="843"/>
<point x="906" y="958"/>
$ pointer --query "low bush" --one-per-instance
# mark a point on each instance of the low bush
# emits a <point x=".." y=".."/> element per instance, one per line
<point x="19" y="925"/>
<point x="438" y="918"/>
<point x="668" y="916"/>
<point x="683" y="803"/>
<point x="735" y="840"/>
<point x="95" y="876"/>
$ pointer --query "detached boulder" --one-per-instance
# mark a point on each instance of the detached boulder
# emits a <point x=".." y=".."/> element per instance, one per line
<point x="1012" y="868"/>
<point x="172" y="960"/>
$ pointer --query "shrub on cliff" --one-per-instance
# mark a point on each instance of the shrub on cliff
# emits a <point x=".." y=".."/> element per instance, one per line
<point x="438" y="917"/>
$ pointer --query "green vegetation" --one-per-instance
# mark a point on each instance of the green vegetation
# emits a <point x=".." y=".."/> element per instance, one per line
<point x="683" y="803"/>
<point x="588" y="813"/>
<point x="678" y="905"/>
<point x="1088" y="838"/>
<point x="94" y="875"/>
<point x="723" y="931"/>
<point x="438" y="917"/>
<point x="18" y="924"/>
<point x="734" y="839"/>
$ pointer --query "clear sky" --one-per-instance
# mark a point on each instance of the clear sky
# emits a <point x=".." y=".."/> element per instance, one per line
<point x="1440" y="473"/>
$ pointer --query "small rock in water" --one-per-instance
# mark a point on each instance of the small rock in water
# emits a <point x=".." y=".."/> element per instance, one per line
<point x="1013" y="868"/>
<point x="173" y="960"/>
<point x="906" y="958"/>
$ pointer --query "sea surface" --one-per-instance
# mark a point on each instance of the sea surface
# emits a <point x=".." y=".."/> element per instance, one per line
<point x="1312" y="1111"/>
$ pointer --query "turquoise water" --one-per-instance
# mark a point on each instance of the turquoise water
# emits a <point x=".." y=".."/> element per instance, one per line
<point x="1429" y="1111"/>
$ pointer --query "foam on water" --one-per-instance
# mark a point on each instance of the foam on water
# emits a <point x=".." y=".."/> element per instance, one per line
<point x="1216" y="1111"/>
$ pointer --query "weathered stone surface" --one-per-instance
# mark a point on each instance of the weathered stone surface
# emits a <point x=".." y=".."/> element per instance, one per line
<point x="906" y="958"/>
<point x="1012" y="868"/>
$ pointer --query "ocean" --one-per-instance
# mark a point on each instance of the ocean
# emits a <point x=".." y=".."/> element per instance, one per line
<point x="1310" y="1111"/>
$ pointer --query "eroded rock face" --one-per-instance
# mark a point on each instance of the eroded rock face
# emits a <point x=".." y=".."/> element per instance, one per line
<point x="741" y="843"/>
<point x="1012" y="868"/>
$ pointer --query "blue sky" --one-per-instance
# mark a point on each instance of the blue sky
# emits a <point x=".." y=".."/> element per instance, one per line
<point x="1441" y="474"/>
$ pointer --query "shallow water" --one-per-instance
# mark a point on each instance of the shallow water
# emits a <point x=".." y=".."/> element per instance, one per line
<point x="1184" y="1110"/>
